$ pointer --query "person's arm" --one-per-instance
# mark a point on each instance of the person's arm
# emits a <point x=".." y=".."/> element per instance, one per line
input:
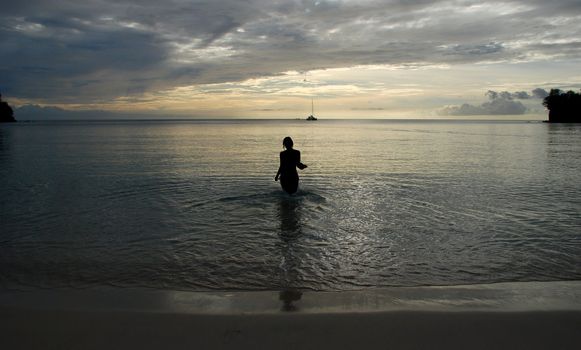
<point x="279" y="168"/>
<point x="299" y="164"/>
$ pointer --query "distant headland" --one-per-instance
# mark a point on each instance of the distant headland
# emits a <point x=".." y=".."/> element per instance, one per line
<point x="564" y="107"/>
<point x="6" y="112"/>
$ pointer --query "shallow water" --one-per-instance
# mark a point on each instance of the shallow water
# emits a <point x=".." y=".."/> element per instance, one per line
<point x="192" y="205"/>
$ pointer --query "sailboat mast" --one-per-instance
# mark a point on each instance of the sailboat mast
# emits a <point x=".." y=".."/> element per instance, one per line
<point x="312" y="107"/>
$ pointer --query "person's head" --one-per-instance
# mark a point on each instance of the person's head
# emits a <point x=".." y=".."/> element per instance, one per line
<point x="287" y="142"/>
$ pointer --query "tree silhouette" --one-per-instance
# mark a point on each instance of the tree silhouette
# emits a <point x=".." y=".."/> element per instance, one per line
<point x="6" y="112"/>
<point x="564" y="107"/>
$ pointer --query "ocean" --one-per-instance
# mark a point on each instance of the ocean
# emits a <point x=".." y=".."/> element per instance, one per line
<point x="193" y="205"/>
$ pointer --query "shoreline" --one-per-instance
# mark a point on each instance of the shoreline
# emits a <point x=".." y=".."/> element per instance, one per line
<point x="528" y="315"/>
<point x="495" y="297"/>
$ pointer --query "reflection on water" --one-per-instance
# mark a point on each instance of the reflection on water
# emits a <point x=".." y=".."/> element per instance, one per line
<point x="290" y="231"/>
<point x="288" y="298"/>
<point x="193" y="206"/>
<point x="4" y="143"/>
<point x="290" y="217"/>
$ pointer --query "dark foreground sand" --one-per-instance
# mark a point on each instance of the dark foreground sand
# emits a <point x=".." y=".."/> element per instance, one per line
<point x="385" y="330"/>
<point x="506" y="316"/>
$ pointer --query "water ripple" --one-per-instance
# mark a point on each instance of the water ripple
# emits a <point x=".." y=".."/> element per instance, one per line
<point x="194" y="206"/>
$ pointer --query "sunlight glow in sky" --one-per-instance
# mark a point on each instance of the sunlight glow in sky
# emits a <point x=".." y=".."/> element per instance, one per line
<point x="267" y="59"/>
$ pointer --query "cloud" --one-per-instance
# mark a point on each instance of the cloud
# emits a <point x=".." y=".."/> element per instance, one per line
<point x="36" y="112"/>
<point x="540" y="93"/>
<point x="271" y="109"/>
<point x="518" y="95"/>
<point x="94" y="50"/>
<point x="537" y="93"/>
<point x="500" y="103"/>
<point x="494" y="107"/>
<point x="368" y="109"/>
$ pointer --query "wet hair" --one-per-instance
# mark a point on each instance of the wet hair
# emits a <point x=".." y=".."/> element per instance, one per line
<point x="287" y="142"/>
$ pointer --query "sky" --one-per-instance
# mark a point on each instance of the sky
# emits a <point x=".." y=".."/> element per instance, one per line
<point x="271" y="58"/>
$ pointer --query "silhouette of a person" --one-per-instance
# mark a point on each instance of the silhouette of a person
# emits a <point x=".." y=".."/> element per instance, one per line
<point x="290" y="160"/>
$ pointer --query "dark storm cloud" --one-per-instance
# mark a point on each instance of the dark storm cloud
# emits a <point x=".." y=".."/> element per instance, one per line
<point x="499" y="103"/>
<point x="42" y="66"/>
<point x="101" y="49"/>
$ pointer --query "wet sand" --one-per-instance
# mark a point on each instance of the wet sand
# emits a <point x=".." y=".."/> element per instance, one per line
<point x="503" y="316"/>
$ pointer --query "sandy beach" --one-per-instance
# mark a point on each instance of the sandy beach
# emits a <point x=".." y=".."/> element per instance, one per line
<point x="383" y="330"/>
<point x="500" y="316"/>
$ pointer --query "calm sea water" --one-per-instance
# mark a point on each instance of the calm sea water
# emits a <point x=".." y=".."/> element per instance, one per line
<point x="192" y="205"/>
